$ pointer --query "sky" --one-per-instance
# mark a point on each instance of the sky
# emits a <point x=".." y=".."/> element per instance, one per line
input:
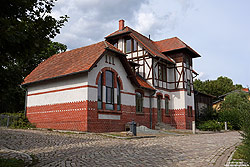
<point x="219" y="30"/>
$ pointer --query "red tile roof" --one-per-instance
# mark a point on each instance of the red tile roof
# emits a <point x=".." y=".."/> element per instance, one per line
<point x="158" y="47"/>
<point x="173" y="44"/>
<point x="74" y="61"/>
<point x="143" y="83"/>
<point x="146" y="42"/>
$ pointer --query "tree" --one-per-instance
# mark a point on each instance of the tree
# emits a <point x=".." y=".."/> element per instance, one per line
<point x="220" y="86"/>
<point x="27" y="28"/>
<point x="234" y="108"/>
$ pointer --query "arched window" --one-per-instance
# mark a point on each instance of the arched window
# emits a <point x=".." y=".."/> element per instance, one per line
<point x="139" y="102"/>
<point x="109" y="90"/>
<point x="99" y="96"/>
<point x="118" y="95"/>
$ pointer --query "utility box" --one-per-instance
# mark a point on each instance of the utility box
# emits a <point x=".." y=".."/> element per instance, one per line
<point x="133" y="128"/>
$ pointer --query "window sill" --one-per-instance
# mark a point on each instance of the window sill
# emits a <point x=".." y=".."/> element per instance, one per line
<point x="140" y="113"/>
<point x="168" y="115"/>
<point x="110" y="111"/>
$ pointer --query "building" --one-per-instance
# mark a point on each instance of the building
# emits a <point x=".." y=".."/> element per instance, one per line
<point x="203" y="103"/>
<point x="103" y="86"/>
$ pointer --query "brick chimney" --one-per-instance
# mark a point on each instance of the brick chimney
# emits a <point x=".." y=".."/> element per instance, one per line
<point x="121" y="24"/>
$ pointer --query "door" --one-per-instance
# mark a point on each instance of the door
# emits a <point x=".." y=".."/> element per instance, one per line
<point x="159" y="114"/>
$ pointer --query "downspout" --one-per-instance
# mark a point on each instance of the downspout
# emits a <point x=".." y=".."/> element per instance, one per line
<point x="150" y="109"/>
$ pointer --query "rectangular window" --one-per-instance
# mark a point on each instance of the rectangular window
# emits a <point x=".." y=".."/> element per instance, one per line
<point x="135" y="45"/>
<point x="187" y="62"/>
<point x="167" y="106"/>
<point x="188" y="88"/>
<point x="160" y="72"/>
<point x="118" y="96"/>
<point x="139" y="102"/>
<point x="164" y="74"/>
<point x="128" y="45"/>
<point x="99" y="100"/>
<point x="190" y="110"/>
<point x="109" y="91"/>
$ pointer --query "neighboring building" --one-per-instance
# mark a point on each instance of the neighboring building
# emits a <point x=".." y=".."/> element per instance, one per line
<point x="217" y="104"/>
<point x="203" y="103"/>
<point x="103" y="86"/>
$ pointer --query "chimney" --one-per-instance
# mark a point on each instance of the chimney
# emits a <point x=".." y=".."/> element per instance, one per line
<point x="121" y="24"/>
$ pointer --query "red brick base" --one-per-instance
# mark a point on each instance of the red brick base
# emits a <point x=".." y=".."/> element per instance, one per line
<point x="83" y="116"/>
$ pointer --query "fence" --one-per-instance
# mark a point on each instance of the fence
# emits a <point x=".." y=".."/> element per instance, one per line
<point x="6" y="120"/>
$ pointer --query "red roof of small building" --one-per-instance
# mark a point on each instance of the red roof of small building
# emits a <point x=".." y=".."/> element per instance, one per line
<point x="143" y="83"/>
<point x="172" y="44"/>
<point x="70" y="62"/>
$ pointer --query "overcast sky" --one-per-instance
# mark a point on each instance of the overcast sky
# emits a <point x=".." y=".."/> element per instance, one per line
<point x="217" y="29"/>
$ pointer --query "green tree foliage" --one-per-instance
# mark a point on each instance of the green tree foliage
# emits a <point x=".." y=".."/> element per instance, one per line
<point x="234" y="108"/>
<point x="245" y="148"/>
<point x="27" y="28"/>
<point x="220" y="86"/>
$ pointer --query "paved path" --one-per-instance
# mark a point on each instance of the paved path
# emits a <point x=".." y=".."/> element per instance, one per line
<point x="62" y="149"/>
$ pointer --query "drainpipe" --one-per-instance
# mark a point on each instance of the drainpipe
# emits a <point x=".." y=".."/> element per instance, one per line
<point x="150" y="109"/>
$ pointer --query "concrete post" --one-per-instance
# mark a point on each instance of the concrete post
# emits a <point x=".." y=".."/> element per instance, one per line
<point x="225" y="125"/>
<point x="8" y="121"/>
<point x="193" y="126"/>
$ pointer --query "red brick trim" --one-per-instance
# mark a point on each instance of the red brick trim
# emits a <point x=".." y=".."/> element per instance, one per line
<point x="104" y="77"/>
<point x="159" y="94"/>
<point x="97" y="78"/>
<point x="59" y="90"/>
<point x="120" y="81"/>
<point x="167" y="96"/>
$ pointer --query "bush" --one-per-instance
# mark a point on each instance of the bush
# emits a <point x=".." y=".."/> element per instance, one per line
<point x="211" y="125"/>
<point x="19" y="121"/>
<point x="245" y="148"/>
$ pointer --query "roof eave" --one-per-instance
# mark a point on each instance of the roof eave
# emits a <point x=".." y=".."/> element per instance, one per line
<point x="115" y="35"/>
<point x="60" y="76"/>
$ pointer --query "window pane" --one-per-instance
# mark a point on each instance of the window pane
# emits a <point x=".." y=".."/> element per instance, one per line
<point x="109" y="95"/>
<point x="188" y="88"/>
<point x="164" y="74"/>
<point x="109" y="79"/>
<point x="139" y="102"/>
<point x="99" y="95"/>
<point x="128" y="45"/>
<point x="160" y="72"/>
<point x="115" y="45"/>
<point x="118" y="95"/>
<point x="135" y="45"/>
<point x="167" y="106"/>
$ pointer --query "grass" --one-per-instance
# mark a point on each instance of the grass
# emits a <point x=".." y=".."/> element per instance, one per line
<point x="237" y="154"/>
<point x="12" y="162"/>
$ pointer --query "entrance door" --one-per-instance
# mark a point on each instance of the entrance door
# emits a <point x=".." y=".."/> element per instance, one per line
<point x="159" y="114"/>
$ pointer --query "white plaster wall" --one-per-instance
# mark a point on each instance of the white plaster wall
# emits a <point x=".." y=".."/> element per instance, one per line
<point x="126" y="99"/>
<point x="55" y="97"/>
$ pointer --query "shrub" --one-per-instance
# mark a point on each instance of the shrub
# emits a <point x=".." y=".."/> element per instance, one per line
<point x="245" y="148"/>
<point x="211" y="125"/>
<point x="19" y="121"/>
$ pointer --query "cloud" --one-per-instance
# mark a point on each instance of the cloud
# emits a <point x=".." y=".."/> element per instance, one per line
<point x="91" y="20"/>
